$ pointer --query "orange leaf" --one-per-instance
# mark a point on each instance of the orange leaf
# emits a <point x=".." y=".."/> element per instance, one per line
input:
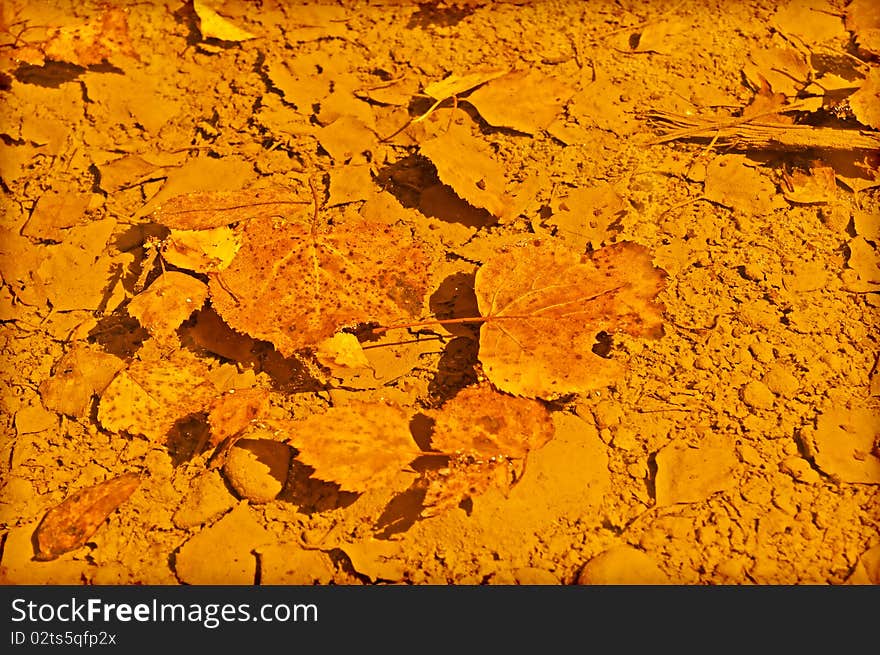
<point x="70" y="524"/>
<point x="487" y="436"/>
<point x="358" y="446"/>
<point x="464" y="163"/>
<point x="204" y="210"/>
<point x="232" y="412"/>
<point x="295" y="287"/>
<point x="546" y="305"/>
<point x="167" y="303"/>
<point x="152" y="394"/>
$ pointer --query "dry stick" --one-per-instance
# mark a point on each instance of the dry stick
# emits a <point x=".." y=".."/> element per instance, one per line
<point x="744" y="132"/>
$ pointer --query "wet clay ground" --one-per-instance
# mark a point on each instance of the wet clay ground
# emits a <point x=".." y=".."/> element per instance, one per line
<point x="212" y="210"/>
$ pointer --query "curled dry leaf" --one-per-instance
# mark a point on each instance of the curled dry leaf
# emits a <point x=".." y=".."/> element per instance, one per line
<point x="294" y="285"/>
<point x="487" y="436"/>
<point x="545" y="306"/>
<point x="358" y="446"/>
<point x="152" y="394"/>
<point x="167" y="303"/>
<point x="70" y="524"/>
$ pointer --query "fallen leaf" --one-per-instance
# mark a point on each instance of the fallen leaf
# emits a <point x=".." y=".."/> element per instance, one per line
<point x="453" y="85"/>
<point x="863" y="20"/>
<point x="204" y="210"/>
<point x="396" y="92"/>
<point x="92" y="42"/>
<point x="813" y="21"/>
<point x="294" y="285"/>
<point x="865" y="103"/>
<point x="526" y="101"/>
<point x="486" y="435"/>
<point x="152" y="394"/>
<point x="342" y="353"/>
<point x="213" y="26"/>
<point x="464" y="164"/>
<point x="70" y="524"/>
<point x="359" y="446"/>
<point x="78" y="376"/>
<point x="546" y="305"/>
<point x="785" y="69"/>
<point x="54" y="212"/>
<point x="484" y="423"/>
<point x="233" y="412"/>
<point x="168" y="302"/>
<point x="201" y="251"/>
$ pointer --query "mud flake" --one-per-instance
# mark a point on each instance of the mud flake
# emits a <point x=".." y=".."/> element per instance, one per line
<point x="814" y="21"/>
<point x="622" y="565"/>
<point x="585" y="216"/>
<point x="734" y="184"/>
<point x="863" y="20"/>
<point x="691" y="475"/>
<point x="54" y="212"/>
<point x="222" y="554"/>
<point x="207" y="498"/>
<point x="257" y="468"/>
<point x="350" y="184"/>
<point x="346" y="139"/>
<point x="844" y="445"/>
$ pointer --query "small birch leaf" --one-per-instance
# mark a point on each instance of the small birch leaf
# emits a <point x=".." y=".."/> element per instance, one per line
<point x="487" y="436"/>
<point x="152" y="394"/>
<point x="547" y="305"/>
<point x="167" y="303"/>
<point x="464" y="164"/>
<point x="69" y="525"/>
<point x="358" y="446"/>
